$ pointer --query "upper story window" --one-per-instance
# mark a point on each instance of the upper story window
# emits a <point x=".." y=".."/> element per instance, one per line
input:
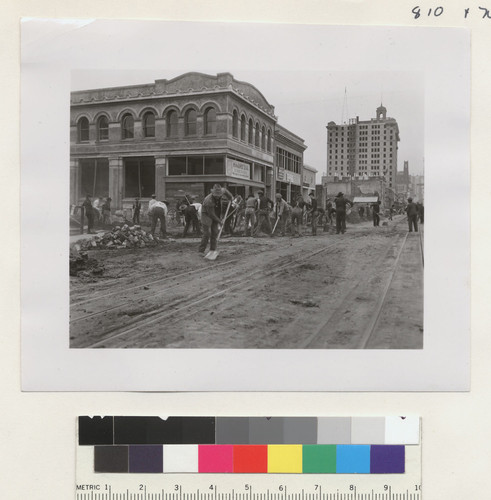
<point x="171" y="123"/>
<point x="83" y="129"/>
<point x="251" y="131"/>
<point x="149" y="124"/>
<point x="268" y="144"/>
<point x="103" y="128"/>
<point x="210" y="121"/>
<point x="256" y="139"/>
<point x="128" y="127"/>
<point x="190" y="122"/>
<point x="235" y="124"/>
<point x="242" y="128"/>
<point x="263" y="138"/>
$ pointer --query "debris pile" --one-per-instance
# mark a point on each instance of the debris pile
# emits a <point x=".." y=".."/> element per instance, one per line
<point x="120" y="237"/>
<point x="82" y="266"/>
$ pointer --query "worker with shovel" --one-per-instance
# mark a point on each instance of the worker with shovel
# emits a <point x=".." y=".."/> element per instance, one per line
<point x="210" y="219"/>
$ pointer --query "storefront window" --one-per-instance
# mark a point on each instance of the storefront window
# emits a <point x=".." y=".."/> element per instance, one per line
<point x="177" y="165"/>
<point x="195" y="165"/>
<point x="139" y="177"/>
<point x="94" y="177"/>
<point x="214" y="165"/>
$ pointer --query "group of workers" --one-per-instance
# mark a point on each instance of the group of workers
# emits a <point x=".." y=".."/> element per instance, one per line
<point x="97" y="211"/>
<point x="221" y="207"/>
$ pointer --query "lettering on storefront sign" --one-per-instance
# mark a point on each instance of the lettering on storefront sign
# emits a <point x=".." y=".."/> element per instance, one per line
<point x="238" y="169"/>
<point x="281" y="174"/>
<point x="292" y="177"/>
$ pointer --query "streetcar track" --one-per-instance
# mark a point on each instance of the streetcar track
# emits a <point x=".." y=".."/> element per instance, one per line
<point x="367" y="334"/>
<point x="338" y="313"/>
<point x="160" y="280"/>
<point x="271" y="271"/>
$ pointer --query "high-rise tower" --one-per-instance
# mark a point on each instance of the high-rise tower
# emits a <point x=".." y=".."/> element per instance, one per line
<point x="364" y="148"/>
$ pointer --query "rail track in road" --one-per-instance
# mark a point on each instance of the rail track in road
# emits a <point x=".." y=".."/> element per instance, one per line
<point x="338" y="320"/>
<point x="193" y="306"/>
<point x="163" y="315"/>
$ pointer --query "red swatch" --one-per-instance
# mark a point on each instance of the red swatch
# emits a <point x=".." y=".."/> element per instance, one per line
<point x="251" y="458"/>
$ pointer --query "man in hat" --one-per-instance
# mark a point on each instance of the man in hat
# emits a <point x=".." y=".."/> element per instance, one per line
<point x="341" y="203"/>
<point x="137" y="206"/>
<point x="158" y="211"/>
<point x="250" y="214"/>
<point x="412" y="215"/>
<point x="265" y="205"/>
<point x="210" y="217"/>
<point x="89" y="213"/>
<point x="281" y="212"/>
<point x="191" y="218"/>
<point x="376" y="213"/>
<point x="314" y="213"/>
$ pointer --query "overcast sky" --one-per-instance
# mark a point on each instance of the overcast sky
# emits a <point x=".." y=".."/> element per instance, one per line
<point x="302" y="70"/>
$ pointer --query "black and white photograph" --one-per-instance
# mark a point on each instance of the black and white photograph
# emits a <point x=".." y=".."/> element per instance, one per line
<point x="240" y="193"/>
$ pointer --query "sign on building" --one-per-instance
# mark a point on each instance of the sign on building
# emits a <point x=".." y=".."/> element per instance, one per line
<point x="238" y="169"/>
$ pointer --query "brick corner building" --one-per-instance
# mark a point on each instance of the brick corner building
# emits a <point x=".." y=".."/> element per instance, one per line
<point x="173" y="137"/>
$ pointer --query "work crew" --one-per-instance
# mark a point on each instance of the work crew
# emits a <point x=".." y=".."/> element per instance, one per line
<point x="314" y="213"/>
<point x="137" y="206"/>
<point x="297" y="216"/>
<point x="412" y="215"/>
<point x="250" y="215"/>
<point x="341" y="203"/>
<point x="89" y="213"/>
<point x="281" y="211"/>
<point x="376" y="213"/>
<point x="158" y="211"/>
<point x="210" y="217"/>
<point x="264" y="207"/>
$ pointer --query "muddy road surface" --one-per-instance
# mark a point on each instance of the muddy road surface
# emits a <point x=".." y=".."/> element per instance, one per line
<point x="360" y="290"/>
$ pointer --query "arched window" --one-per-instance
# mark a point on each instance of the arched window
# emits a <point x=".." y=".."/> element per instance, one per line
<point x="190" y="122"/>
<point x="263" y="138"/>
<point x="269" y="141"/>
<point x="251" y="131"/>
<point x="171" y="123"/>
<point x="210" y="121"/>
<point x="243" y="128"/>
<point x="102" y="129"/>
<point x="149" y="124"/>
<point x="256" y="139"/>
<point x="128" y="126"/>
<point x="235" y="124"/>
<point x="83" y="129"/>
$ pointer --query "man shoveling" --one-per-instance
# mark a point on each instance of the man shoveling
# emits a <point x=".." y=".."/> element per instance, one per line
<point x="210" y="220"/>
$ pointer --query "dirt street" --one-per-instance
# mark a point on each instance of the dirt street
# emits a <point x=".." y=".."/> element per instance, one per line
<point x="363" y="289"/>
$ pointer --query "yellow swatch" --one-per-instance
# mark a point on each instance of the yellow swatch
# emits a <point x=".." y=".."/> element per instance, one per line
<point x="285" y="458"/>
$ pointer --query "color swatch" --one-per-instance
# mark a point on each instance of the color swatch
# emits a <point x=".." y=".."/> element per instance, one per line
<point x="251" y="445"/>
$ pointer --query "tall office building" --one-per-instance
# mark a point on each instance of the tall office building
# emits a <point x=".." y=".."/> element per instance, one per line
<point x="363" y="148"/>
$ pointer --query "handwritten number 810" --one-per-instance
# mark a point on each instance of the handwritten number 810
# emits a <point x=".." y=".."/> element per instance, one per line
<point x="436" y="13"/>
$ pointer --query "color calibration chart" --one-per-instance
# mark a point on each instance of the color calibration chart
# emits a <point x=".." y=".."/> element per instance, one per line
<point x="248" y="458"/>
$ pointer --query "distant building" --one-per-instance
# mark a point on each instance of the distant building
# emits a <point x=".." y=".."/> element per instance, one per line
<point x="308" y="180"/>
<point x="356" y="188"/>
<point x="289" y="163"/>
<point x="417" y="188"/>
<point x="364" y="149"/>
<point x="176" y="137"/>
<point x="403" y="183"/>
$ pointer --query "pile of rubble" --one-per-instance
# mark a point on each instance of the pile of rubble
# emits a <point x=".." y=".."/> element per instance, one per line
<point x="83" y="267"/>
<point x="120" y="237"/>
